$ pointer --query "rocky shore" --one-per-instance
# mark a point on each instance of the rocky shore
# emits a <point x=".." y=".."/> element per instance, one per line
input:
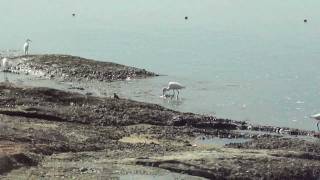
<point x="53" y="134"/>
<point x="73" y="68"/>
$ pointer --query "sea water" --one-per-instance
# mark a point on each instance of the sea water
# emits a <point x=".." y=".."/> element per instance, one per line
<point x="241" y="59"/>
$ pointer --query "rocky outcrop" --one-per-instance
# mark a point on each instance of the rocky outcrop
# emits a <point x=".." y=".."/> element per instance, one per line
<point x="73" y="68"/>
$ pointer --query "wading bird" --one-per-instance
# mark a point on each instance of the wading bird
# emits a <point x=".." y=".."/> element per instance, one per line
<point x="172" y="86"/>
<point x="26" y="47"/>
<point x="316" y="117"/>
<point x="5" y="65"/>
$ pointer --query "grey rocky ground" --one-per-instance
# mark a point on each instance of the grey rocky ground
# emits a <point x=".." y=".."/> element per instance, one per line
<point x="73" y="68"/>
<point x="47" y="133"/>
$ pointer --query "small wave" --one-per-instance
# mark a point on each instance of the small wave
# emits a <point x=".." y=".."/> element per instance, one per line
<point x="300" y="102"/>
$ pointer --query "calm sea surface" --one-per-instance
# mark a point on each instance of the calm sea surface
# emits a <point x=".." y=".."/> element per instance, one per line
<point x="241" y="59"/>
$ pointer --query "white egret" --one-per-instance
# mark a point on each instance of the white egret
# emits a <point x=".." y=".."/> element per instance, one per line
<point x="26" y="47"/>
<point x="5" y="65"/>
<point x="174" y="86"/>
<point x="316" y="117"/>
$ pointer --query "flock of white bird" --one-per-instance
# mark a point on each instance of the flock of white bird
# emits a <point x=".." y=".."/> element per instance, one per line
<point x="173" y="86"/>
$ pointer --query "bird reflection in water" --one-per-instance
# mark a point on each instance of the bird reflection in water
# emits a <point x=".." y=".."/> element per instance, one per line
<point x="171" y="100"/>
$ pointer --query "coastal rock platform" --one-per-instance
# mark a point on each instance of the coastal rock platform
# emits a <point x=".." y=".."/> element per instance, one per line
<point x="53" y="133"/>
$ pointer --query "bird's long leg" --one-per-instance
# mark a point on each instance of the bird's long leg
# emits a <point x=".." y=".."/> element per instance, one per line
<point x="173" y="92"/>
<point x="318" y="125"/>
<point x="5" y="76"/>
<point x="4" y="73"/>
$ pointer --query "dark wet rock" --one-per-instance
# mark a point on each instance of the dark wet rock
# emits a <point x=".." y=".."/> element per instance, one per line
<point x="88" y="94"/>
<point x="280" y="143"/>
<point x="56" y="105"/>
<point x="83" y="169"/>
<point x="13" y="161"/>
<point x="6" y="164"/>
<point x="73" y="68"/>
<point x="46" y="123"/>
<point x="279" y="130"/>
<point x="77" y="88"/>
<point x="300" y="155"/>
<point x="239" y="167"/>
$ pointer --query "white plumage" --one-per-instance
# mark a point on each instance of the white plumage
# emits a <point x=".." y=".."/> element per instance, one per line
<point x="316" y="117"/>
<point x="26" y="47"/>
<point x="5" y="66"/>
<point x="4" y="63"/>
<point x="174" y="86"/>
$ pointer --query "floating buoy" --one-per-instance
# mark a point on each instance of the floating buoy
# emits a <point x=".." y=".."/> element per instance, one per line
<point x="186" y="17"/>
<point x="73" y="14"/>
<point x="305" y="20"/>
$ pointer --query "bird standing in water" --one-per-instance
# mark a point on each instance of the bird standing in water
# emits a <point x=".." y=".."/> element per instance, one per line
<point x="26" y="47"/>
<point x="174" y="86"/>
<point x="316" y="117"/>
<point x="5" y="65"/>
